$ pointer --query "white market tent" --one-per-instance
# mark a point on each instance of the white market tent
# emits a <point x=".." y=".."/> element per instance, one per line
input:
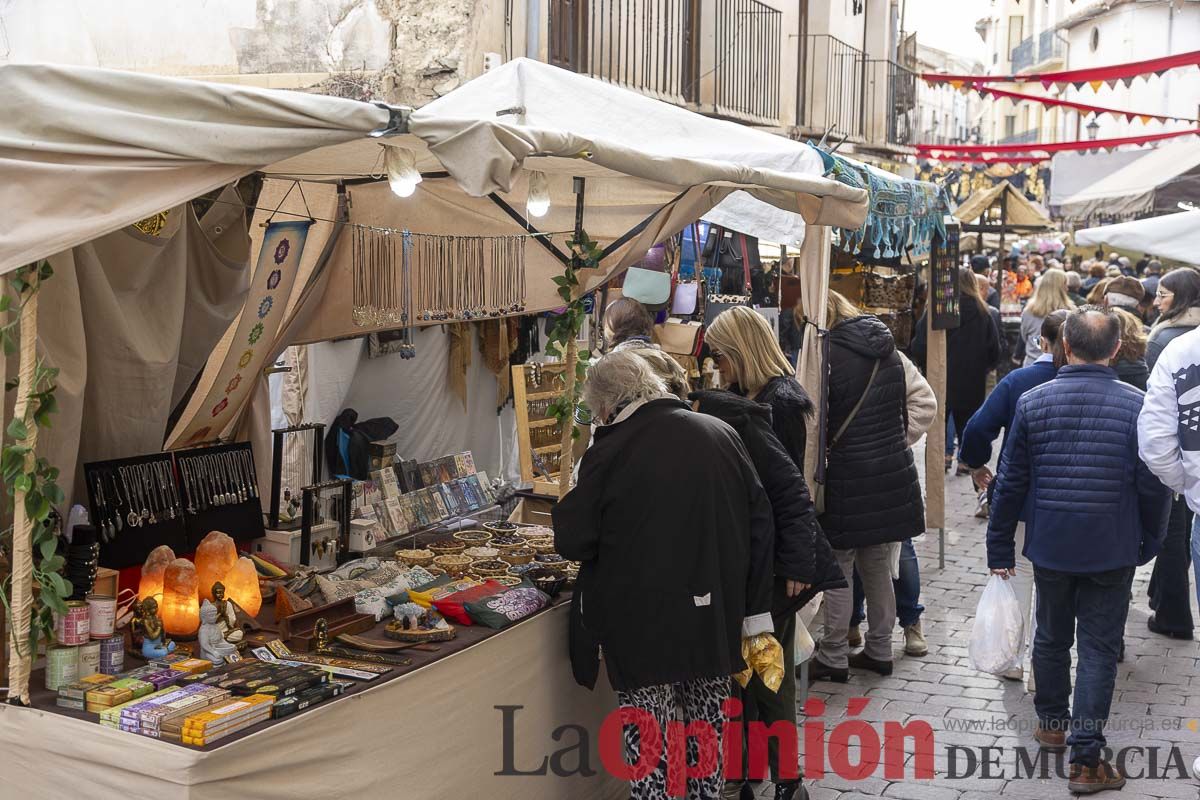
<point x="1155" y="182"/>
<point x="1172" y="236"/>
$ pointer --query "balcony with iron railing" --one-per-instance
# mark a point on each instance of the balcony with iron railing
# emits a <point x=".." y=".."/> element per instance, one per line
<point x="655" y="47"/>
<point x="841" y="90"/>
<point x="1025" y="137"/>
<point x="1036" y="51"/>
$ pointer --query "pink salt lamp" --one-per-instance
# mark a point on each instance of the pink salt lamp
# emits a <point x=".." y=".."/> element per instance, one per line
<point x="215" y="556"/>
<point x="180" y="607"/>
<point x="151" y="583"/>
<point x="241" y="586"/>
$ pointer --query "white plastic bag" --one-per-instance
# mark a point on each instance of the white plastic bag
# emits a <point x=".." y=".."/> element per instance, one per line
<point x="996" y="637"/>
<point x="804" y="646"/>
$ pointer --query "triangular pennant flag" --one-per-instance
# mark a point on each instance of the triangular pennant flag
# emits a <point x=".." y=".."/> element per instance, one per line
<point x="1061" y="86"/>
<point x="957" y="84"/>
<point x="1112" y="84"/>
<point x="1116" y="115"/>
<point x="1046" y="83"/>
<point x="1095" y="85"/>
<point x="1160" y="72"/>
<point x="1128" y="81"/>
<point x="1145" y="118"/>
<point x="1079" y="84"/>
<point x="1129" y="117"/>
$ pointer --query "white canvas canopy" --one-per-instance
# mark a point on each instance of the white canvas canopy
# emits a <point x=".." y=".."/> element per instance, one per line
<point x="1155" y="182"/>
<point x="1172" y="236"/>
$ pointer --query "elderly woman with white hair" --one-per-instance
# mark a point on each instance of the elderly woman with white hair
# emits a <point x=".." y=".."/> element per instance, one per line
<point x="677" y="558"/>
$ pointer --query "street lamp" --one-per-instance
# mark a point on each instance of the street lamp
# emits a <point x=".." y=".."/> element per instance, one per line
<point x="1093" y="128"/>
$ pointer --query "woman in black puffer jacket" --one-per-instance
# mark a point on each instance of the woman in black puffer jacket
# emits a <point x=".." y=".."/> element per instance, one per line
<point x="872" y="493"/>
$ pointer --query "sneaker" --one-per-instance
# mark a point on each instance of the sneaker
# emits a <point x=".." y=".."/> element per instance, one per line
<point x="1053" y="741"/>
<point x="914" y="641"/>
<point x="818" y="670"/>
<point x="791" y="791"/>
<point x="1100" y="778"/>
<point x="854" y="637"/>
<point x="1154" y="627"/>
<point x="983" y="509"/>
<point x="864" y="661"/>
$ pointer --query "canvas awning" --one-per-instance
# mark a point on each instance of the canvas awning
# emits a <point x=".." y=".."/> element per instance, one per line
<point x="1172" y="236"/>
<point x="1022" y="213"/>
<point x="1071" y="173"/>
<point x="1156" y="182"/>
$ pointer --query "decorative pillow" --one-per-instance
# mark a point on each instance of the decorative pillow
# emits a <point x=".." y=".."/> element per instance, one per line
<point x="501" y="610"/>
<point x="373" y="602"/>
<point x="453" y="606"/>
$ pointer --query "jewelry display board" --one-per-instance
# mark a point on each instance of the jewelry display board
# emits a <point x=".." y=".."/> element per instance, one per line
<point x="539" y="434"/>
<point x="219" y="490"/>
<point x="943" y="281"/>
<point x="325" y="522"/>
<point x="295" y="463"/>
<point x="135" y="505"/>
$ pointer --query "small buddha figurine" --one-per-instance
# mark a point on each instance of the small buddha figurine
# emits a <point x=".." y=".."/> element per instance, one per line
<point x="154" y="641"/>
<point x="213" y="646"/>
<point x="226" y="615"/>
<point x="321" y="636"/>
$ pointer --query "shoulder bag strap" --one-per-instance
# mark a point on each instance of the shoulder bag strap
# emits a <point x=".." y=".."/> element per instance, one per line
<point x="854" y="411"/>
<point x="745" y="264"/>
<point x="698" y="267"/>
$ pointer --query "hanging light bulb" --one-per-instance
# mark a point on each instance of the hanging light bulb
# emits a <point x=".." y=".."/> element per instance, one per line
<point x="537" y="202"/>
<point x="401" y="166"/>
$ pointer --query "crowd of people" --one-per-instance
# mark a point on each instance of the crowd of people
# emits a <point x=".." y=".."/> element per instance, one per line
<point x="687" y="561"/>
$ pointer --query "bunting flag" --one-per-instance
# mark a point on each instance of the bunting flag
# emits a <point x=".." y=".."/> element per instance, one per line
<point x="952" y="150"/>
<point x="1095" y="77"/>
<point x="1129" y="116"/>
<point x="989" y="160"/>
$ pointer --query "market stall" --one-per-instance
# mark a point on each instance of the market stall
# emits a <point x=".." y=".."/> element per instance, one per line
<point x="1153" y="184"/>
<point x="330" y="232"/>
<point x="1175" y="237"/>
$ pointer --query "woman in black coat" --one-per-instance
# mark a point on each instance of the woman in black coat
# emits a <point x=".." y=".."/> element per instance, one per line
<point x="972" y="351"/>
<point x="802" y="556"/>
<point x="676" y="562"/>
<point x="872" y="494"/>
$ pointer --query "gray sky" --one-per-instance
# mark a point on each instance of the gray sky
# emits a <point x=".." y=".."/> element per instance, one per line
<point x="948" y="24"/>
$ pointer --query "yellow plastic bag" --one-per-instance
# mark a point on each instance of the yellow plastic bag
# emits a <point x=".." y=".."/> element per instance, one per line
<point x="763" y="655"/>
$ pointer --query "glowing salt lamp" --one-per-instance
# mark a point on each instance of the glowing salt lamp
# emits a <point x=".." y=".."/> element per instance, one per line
<point x="241" y="586"/>
<point x="215" y="556"/>
<point x="151" y="583"/>
<point x="180" y="607"/>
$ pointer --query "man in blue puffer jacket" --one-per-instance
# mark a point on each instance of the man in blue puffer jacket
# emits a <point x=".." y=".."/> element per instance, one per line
<point x="1093" y="513"/>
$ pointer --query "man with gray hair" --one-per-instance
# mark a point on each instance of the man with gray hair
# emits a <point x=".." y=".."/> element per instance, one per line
<point x="1094" y="512"/>
<point x="1074" y="285"/>
<point x="677" y="563"/>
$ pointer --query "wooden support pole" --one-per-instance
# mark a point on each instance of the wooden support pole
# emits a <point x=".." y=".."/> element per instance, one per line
<point x="566" y="453"/>
<point x="935" y="440"/>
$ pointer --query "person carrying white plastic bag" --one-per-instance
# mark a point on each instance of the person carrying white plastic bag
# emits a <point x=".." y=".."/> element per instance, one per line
<point x="996" y="637"/>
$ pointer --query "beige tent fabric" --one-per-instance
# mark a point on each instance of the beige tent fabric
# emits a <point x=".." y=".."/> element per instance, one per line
<point x="813" y="265"/>
<point x="435" y="732"/>
<point x="1021" y="211"/>
<point x="1173" y="236"/>
<point x="1133" y="188"/>
<point x="85" y="152"/>
<point x="131" y="318"/>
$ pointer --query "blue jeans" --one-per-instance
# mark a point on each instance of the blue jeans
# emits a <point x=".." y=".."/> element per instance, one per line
<point x="907" y="588"/>
<point x="1094" y="606"/>
<point x="1196" y="552"/>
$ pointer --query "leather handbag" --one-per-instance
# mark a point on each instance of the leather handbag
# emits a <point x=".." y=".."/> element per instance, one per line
<point x="686" y="299"/>
<point x="716" y="303"/>
<point x="680" y="338"/>
<point x="888" y="291"/>
<point x="649" y="287"/>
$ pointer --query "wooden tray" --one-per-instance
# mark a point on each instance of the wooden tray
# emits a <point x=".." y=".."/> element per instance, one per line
<point x="297" y="630"/>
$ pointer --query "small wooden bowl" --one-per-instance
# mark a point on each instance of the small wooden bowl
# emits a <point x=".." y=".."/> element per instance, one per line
<point x="454" y="564"/>
<point x="518" y="555"/>
<point x="445" y="547"/>
<point x="470" y="538"/>
<point x="415" y="558"/>
<point x="543" y="548"/>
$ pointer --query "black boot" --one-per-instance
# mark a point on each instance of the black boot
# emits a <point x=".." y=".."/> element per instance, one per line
<point x="864" y="661"/>
<point x="1154" y="627"/>
<point x="791" y="791"/>
<point x="820" y="671"/>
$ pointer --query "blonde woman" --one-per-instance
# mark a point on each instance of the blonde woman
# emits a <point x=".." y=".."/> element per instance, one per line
<point x="1050" y="295"/>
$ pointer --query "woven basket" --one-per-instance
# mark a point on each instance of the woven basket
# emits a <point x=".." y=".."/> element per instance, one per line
<point x="489" y="568"/>
<point x="470" y="538"/>
<point x="446" y="547"/>
<point x="520" y="555"/>
<point x="455" y="564"/>
<point x="415" y="558"/>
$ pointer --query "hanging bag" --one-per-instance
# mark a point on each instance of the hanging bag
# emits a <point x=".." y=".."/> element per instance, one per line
<point x="687" y="295"/>
<point x="650" y="287"/>
<point x="716" y="303"/>
<point x="995" y="645"/>
<point x="819" y="500"/>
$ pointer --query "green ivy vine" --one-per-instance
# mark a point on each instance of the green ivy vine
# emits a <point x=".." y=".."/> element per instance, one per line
<point x="22" y="471"/>
<point x="585" y="254"/>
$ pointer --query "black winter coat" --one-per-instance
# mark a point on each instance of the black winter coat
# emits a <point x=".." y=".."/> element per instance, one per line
<point x="972" y="350"/>
<point x="790" y="409"/>
<point x="872" y="495"/>
<point x="802" y="553"/>
<point x="676" y="553"/>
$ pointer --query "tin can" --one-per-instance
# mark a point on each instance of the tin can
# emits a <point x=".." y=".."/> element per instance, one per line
<point x="102" y="614"/>
<point x="72" y="627"/>
<point x="112" y="654"/>
<point x="62" y="666"/>
<point x="89" y="659"/>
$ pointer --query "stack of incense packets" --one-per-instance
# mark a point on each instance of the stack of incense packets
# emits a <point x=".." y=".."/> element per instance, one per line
<point x="214" y="724"/>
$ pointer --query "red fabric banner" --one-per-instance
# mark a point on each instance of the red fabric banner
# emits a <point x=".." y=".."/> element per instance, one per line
<point x="1090" y="76"/>
<point x="1130" y="116"/>
<point x="1048" y="147"/>
<point x="990" y="160"/>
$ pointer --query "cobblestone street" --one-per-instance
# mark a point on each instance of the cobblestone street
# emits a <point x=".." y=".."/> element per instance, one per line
<point x="1156" y="703"/>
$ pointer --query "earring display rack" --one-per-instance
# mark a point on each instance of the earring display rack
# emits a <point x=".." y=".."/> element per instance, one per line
<point x="135" y="506"/>
<point x="325" y="522"/>
<point x="293" y="467"/>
